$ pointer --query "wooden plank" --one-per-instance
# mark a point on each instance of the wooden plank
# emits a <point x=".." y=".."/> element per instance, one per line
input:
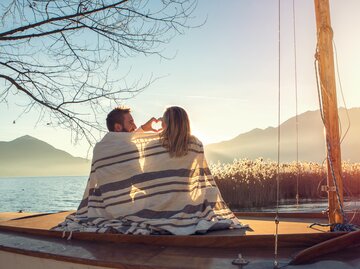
<point x="352" y="216"/>
<point x="123" y="255"/>
<point x="285" y="240"/>
<point x="225" y="239"/>
<point x="293" y="232"/>
<point x="106" y="254"/>
<point x="329" y="246"/>
<point x="20" y="261"/>
<point x="258" y="224"/>
<point x="45" y="221"/>
<point x="297" y="215"/>
<point x="5" y="216"/>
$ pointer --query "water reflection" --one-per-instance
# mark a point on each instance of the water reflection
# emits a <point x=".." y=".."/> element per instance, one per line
<point x="304" y="206"/>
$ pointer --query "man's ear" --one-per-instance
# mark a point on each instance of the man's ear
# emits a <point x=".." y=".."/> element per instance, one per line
<point x="117" y="127"/>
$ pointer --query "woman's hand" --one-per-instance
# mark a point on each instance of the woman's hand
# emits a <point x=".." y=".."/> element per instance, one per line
<point x="152" y="125"/>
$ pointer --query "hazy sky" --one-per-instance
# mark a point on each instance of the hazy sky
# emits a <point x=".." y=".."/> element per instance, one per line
<point x="225" y="72"/>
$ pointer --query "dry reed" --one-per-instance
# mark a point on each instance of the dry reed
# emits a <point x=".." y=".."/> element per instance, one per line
<point x="252" y="183"/>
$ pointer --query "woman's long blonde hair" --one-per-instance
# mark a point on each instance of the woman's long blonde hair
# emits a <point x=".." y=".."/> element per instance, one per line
<point x="176" y="134"/>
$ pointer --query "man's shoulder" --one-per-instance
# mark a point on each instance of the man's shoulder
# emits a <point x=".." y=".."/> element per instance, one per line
<point x="104" y="138"/>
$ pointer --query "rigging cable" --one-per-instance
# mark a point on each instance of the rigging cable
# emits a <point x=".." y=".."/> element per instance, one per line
<point x="296" y="108"/>
<point x="342" y="94"/>
<point x="349" y="192"/>
<point x="276" y="262"/>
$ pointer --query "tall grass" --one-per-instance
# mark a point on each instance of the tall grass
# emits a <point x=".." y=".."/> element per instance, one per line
<point x="252" y="183"/>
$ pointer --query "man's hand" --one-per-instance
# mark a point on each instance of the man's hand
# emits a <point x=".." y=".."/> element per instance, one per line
<point x="152" y="125"/>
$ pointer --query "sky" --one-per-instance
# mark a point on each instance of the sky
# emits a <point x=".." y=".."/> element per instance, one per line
<point x="225" y="73"/>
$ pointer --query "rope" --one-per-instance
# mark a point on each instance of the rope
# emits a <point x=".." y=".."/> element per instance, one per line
<point x="318" y="85"/>
<point x="334" y="179"/>
<point x="296" y="108"/>
<point x="276" y="262"/>
<point x="342" y="94"/>
<point x="337" y="227"/>
<point x="345" y="226"/>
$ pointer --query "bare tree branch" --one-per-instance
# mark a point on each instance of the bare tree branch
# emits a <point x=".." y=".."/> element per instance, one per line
<point x="64" y="55"/>
<point x="60" y="18"/>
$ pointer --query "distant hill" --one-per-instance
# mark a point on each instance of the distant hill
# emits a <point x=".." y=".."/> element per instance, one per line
<point x="28" y="156"/>
<point x="263" y="143"/>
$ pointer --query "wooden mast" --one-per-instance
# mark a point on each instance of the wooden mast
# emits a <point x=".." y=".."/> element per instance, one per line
<point x="325" y="59"/>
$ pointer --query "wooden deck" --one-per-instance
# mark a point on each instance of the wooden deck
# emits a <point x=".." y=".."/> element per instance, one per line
<point x="123" y="255"/>
<point x="259" y="224"/>
<point x="30" y="235"/>
<point x="293" y="231"/>
<point x="4" y="216"/>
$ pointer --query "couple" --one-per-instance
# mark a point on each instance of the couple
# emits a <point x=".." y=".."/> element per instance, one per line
<point x="146" y="182"/>
<point x="174" y="132"/>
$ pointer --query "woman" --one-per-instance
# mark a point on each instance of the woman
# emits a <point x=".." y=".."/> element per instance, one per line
<point x="176" y="135"/>
<point x="191" y="186"/>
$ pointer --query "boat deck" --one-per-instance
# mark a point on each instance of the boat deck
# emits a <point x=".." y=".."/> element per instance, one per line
<point x="258" y="223"/>
<point x="30" y="235"/>
<point x="123" y="255"/>
<point x="261" y="232"/>
<point x="4" y="216"/>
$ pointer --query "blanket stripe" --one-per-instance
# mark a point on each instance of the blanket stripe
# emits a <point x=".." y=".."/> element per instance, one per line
<point x="137" y="158"/>
<point x="158" y="145"/>
<point x="101" y="200"/>
<point x="135" y="187"/>
<point x="144" y="197"/>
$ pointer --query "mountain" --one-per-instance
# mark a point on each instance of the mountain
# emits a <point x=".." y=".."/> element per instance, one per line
<point x="263" y="142"/>
<point x="28" y="156"/>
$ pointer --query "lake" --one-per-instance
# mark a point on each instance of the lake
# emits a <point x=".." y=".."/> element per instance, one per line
<point x="41" y="194"/>
<point x="53" y="194"/>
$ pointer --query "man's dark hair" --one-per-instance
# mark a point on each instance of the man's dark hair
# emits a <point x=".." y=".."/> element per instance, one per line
<point x="116" y="116"/>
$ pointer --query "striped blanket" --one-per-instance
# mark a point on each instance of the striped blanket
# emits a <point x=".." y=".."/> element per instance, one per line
<point x="136" y="188"/>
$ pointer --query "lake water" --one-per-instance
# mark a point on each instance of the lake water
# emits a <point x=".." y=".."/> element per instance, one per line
<point x="53" y="194"/>
<point x="41" y="194"/>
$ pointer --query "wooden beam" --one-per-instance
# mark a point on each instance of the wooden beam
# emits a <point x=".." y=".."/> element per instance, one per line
<point x="330" y="246"/>
<point x="325" y="59"/>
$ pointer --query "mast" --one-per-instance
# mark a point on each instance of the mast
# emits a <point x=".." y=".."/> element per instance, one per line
<point x="325" y="59"/>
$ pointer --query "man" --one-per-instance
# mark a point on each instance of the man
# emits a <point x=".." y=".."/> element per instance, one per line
<point x="120" y="120"/>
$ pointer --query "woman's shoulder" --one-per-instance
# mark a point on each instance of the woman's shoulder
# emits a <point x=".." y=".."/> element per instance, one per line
<point x="194" y="140"/>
